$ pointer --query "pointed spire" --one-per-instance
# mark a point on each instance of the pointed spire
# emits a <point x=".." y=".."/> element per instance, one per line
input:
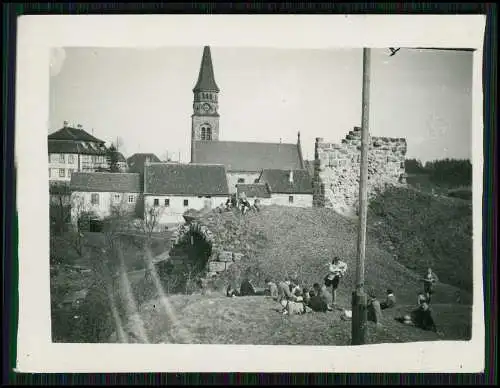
<point x="298" y="137"/>
<point x="206" y="78"/>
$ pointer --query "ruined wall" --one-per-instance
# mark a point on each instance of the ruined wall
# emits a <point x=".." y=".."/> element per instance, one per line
<point x="336" y="169"/>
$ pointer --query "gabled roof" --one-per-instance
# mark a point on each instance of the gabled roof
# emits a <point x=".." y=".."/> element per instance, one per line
<point x="185" y="179"/>
<point x="136" y="162"/>
<point x="75" y="134"/>
<point x="247" y="156"/>
<point x="76" y="147"/>
<point x="206" y="78"/>
<point x="279" y="181"/>
<point x="254" y="190"/>
<point x="105" y="182"/>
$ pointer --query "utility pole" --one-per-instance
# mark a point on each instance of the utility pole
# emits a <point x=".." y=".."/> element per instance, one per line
<point x="359" y="299"/>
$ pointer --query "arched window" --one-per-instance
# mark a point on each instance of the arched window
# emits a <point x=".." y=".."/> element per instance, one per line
<point x="206" y="132"/>
<point x="210" y="96"/>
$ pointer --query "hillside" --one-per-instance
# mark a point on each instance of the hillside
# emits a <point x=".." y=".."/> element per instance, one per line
<point x="280" y="241"/>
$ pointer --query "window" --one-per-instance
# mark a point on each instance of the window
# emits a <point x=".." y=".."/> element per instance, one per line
<point x="131" y="198"/>
<point x="206" y="132"/>
<point x="117" y="197"/>
<point x="94" y="159"/>
<point x="61" y="173"/>
<point x="290" y="199"/>
<point x="61" y="158"/>
<point x="167" y="202"/>
<point x="94" y="199"/>
<point x="71" y="159"/>
<point x="70" y="171"/>
<point x="186" y="203"/>
<point x="49" y="172"/>
<point x="54" y="158"/>
<point x="156" y="202"/>
<point x="241" y="180"/>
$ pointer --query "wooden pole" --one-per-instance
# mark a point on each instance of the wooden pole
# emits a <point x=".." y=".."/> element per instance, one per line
<point x="359" y="299"/>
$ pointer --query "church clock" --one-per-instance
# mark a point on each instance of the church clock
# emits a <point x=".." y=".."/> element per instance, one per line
<point x="206" y="107"/>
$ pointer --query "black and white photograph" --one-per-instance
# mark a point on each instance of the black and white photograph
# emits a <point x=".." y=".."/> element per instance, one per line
<point x="211" y="193"/>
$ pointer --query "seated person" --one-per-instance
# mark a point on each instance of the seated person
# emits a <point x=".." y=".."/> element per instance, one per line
<point x="326" y="296"/>
<point x="316" y="302"/>
<point x="272" y="288"/>
<point x="230" y="291"/>
<point x="306" y="295"/>
<point x="422" y="317"/>
<point x="284" y="290"/>
<point x="291" y="307"/>
<point x="390" y="300"/>
<point x="246" y="288"/>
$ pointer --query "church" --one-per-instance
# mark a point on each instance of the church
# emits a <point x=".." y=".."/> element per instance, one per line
<point x="245" y="162"/>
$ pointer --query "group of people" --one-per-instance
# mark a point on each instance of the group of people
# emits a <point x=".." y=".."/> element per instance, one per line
<point x="295" y="299"/>
<point x="422" y="315"/>
<point x="241" y="203"/>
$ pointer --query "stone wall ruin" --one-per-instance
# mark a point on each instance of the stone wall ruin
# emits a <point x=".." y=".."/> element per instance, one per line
<point x="337" y="168"/>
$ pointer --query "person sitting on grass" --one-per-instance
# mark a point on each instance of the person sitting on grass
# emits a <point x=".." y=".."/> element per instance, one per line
<point x="231" y="292"/>
<point x="316" y="303"/>
<point x="246" y="288"/>
<point x="284" y="291"/>
<point x="272" y="288"/>
<point x="390" y="300"/>
<point x="326" y="296"/>
<point x="306" y="295"/>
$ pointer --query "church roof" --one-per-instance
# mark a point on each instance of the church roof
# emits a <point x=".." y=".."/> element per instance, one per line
<point x="105" y="182"/>
<point x="247" y="156"/>
<point x="74" y="134"/>
<point x="279" y="181"/>
<point x="185" y="179"/>
<point x="206" y="78"/>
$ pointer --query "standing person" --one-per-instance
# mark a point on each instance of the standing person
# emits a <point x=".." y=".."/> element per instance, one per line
<point x="272" y="288"/>
<point x="430" y="279"/>
<point x="284" y="290"/>
<point x="337" y="269"/>
<point x="374" y="309"/>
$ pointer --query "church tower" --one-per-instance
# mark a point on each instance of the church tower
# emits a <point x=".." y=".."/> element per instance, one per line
<point x="205" y="117"/>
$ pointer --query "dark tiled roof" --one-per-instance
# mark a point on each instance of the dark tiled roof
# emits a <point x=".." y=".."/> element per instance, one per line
<point x="136" y="162"/>
<point x="206" y="78"/>
<point x="246" y="156"/>
<point x="68" y="133"/>
<point x="105" y="182"/>
<point x="120" y="157"/>
<point x="185" y="179"/>
<point x="278" y="181"/>
<point x="259" y="190"/>
<point x="76" y="147"/>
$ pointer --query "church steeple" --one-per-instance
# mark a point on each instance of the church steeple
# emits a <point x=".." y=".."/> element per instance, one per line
<point x="206" y="78"/>
<point x="205" y="118"/>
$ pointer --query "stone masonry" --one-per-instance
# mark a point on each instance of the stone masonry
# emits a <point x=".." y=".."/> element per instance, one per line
<point x="337" y="168"/>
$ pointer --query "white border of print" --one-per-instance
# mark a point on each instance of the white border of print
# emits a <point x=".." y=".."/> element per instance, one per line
<point x="38" y="34"/>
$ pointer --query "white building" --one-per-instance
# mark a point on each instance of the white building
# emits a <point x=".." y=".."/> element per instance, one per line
<point x="173" y="188"/>
<point x="99" y="193"/>
<point x="280" y="187"/>
<point x="74" y="150"/>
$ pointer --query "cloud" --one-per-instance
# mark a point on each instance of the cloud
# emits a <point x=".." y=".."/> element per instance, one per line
<point x="57" y="57"/>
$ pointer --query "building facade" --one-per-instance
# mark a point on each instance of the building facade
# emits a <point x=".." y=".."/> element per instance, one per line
<point x="102" y="193"/>
<point x="74" y="150"/>
<point x="172" y="188"/>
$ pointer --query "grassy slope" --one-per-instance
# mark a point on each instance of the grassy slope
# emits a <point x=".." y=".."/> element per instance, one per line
<point x="303" y="240"/>
<point x="432" y="231"/>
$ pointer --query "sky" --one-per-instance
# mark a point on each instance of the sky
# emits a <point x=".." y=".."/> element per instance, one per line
<point x="144" y="96"/>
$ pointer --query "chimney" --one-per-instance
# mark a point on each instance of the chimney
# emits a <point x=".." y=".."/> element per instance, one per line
<point x="65" y="124"/>
<point x="290" y="177"/>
